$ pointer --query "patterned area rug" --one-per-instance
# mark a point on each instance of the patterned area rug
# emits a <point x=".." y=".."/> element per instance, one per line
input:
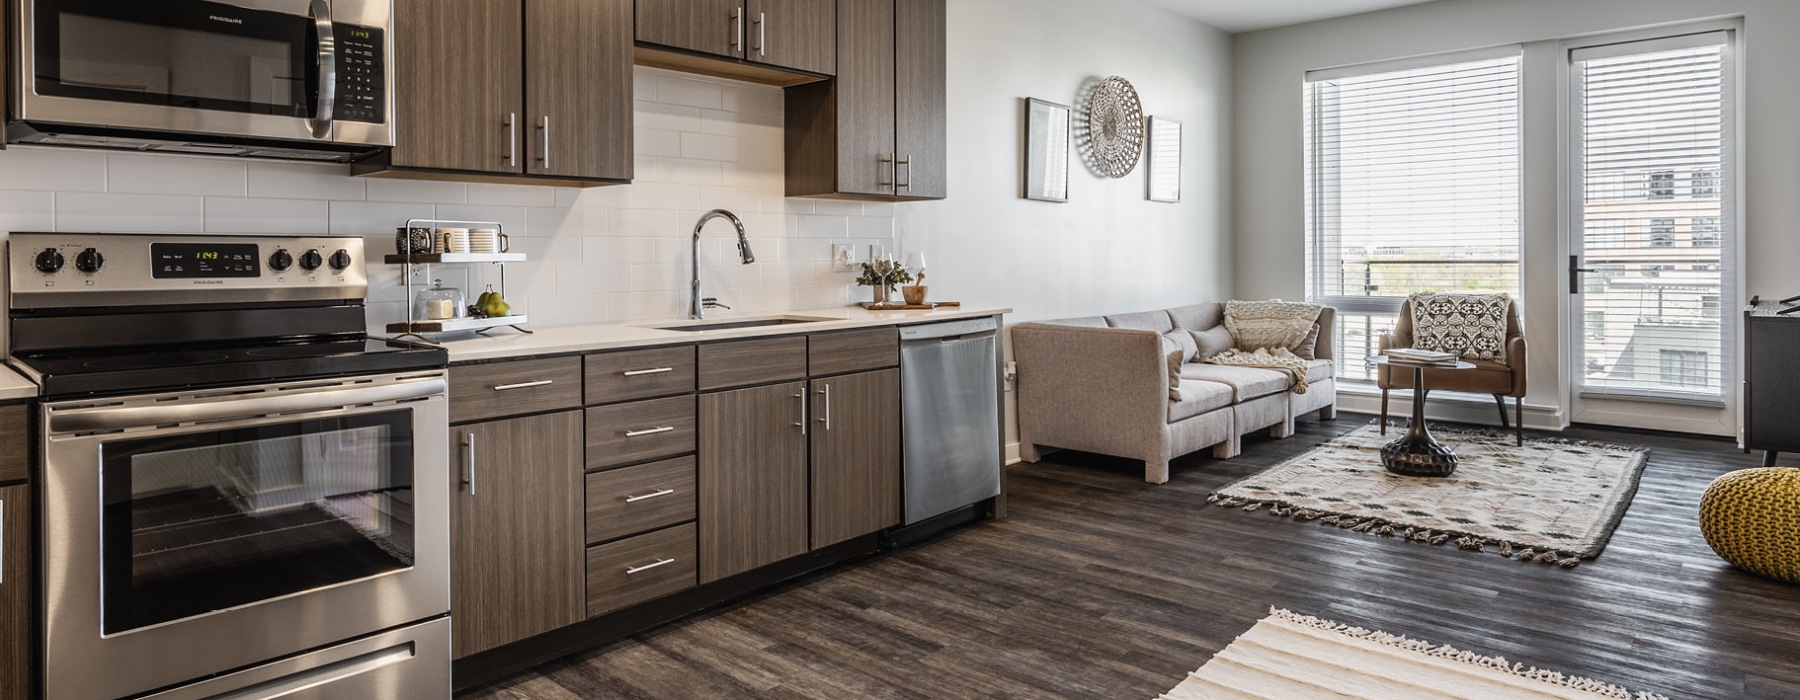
<point x="1550" y="501"/>
<point x="1296" y="657"/>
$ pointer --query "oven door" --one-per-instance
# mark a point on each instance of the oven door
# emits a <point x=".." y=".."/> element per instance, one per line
<point x="306" y="70"/>
<point x="191" y="534"/>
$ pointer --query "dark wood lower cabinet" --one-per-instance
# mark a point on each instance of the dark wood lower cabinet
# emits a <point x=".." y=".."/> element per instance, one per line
<point x="753" y="484"/>
<point x="16" y="639"/>
<point x="855" y="455"/>
<point x="517" y="529"/>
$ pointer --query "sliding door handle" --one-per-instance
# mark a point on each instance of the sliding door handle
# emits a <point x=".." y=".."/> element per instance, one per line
<point x="1575" y="272"/>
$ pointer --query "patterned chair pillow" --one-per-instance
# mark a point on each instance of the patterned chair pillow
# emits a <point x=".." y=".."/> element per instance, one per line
<point x="1470" y="325"/>
<point x="1270" y="325"/>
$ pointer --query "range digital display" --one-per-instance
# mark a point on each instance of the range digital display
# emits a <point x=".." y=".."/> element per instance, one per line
<point x="204" y="261"/>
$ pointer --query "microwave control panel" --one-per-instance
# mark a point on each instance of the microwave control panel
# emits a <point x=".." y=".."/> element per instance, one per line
<point x="362" y="74"/>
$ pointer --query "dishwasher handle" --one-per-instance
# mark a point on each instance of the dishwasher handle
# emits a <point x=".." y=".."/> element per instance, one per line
<point x="948" y="330"/>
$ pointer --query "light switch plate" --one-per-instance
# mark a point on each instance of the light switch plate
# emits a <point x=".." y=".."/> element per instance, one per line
<point x="843" y="257"/>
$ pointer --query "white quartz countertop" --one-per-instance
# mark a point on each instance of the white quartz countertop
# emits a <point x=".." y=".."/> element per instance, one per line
<point x="14" y="386"/>
<point x="554" y="340"/>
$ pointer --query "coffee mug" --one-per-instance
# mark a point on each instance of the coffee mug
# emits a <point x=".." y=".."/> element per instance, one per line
<point x="453" y="240"/>
<point x="488" y="240"/>
<point x="413" y="241"/>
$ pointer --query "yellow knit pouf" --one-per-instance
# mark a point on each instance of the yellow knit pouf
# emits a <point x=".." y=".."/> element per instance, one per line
<point x="1752" y="519"/>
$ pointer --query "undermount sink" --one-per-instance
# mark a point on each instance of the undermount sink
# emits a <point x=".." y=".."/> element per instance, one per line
<point x="723" y="325"/>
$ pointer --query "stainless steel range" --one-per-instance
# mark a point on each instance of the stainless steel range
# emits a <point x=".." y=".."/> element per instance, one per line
<point x="244" y="496"/>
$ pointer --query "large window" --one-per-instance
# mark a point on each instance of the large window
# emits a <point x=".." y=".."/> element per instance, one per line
<point x="1660" y="111"/>
<point x="1412" y="173"/>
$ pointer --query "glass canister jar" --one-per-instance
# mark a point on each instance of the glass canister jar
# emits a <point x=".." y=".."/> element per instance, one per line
<point x="439" y="303"/>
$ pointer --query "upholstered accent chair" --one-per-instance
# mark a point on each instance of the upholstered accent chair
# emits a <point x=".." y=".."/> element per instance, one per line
<point x="1499" y="379"/>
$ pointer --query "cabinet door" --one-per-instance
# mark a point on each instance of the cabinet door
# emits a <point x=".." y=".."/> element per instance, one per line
<point x="752" y="478"/>
<point x="517" y="566"/>
<point x="15" y="592"/>
<point x="459" y="92"/>
<point x="799" y="34"/>
<point x="920" y="103"/>
<point x="855" y="455"/>
<point x="578" y="88"/>
<point x="717" y="27"/>
<point x="865" y="97"/>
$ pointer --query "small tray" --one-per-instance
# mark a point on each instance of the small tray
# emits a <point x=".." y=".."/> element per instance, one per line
<point x="872" y="306"/>
<point x="453" y="258"/>
<point x="457" y="324"/>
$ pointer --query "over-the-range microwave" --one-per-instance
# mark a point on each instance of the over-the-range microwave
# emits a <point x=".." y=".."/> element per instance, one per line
<point x="297" y="79"/>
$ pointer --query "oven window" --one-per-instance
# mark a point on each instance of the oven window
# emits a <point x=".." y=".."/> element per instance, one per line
<point x="208" y="521"/>
<point x="180" y="53"/>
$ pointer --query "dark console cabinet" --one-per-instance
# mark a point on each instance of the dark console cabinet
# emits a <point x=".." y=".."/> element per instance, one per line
<point x="1771" y="380"/>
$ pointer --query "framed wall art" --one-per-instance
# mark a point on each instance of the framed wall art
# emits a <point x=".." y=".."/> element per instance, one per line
<point x="1047" y="137"/>
<point x="1164" y="171"/>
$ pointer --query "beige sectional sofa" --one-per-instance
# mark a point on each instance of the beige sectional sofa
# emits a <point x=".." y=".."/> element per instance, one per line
<point x="1102" y="384"/>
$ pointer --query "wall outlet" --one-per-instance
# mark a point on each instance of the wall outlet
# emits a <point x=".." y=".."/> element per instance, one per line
<point x="843" y="257"/>
<point x="1012" y="375"/>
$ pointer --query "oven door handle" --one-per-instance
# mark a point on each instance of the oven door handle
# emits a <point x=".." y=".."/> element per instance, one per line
<point x="328" y="73"/>
<point x="117" y="418"/>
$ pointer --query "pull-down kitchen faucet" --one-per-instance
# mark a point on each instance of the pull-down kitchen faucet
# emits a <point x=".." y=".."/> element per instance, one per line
<point x="698" y="305"/>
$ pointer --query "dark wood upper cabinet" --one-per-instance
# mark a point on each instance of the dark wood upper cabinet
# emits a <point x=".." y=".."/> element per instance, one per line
<point x="878" y="130"/>
<point x="511" y="90"/>
<point x="16" y="638"/>
<point x="752" y="478"/>
<point x="798" y="34"/>
<point x="578" y="88"/>
<point x="787" y="34"/>
<point x="716" y="27"/>
<point x="458" y="96"/>
<point x="517" y="529"/>
<point x="855" y="455"/>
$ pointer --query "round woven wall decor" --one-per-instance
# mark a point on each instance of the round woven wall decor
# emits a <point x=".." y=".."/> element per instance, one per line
<point x="1115" y="128"/>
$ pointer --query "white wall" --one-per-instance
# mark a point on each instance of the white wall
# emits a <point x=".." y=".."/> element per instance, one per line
<point x="597" y="255"/>
<point x="1267" y="178"/>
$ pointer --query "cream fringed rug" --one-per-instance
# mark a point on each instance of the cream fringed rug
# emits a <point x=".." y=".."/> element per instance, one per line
<point x="1551" y="501"/>
<point x="1294" y="657"/>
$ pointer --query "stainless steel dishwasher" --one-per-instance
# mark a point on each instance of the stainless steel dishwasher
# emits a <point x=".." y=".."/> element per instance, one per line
<point x="951" y="405"/>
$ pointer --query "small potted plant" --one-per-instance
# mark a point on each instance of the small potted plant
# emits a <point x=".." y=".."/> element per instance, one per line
<point x="883" y="275"/>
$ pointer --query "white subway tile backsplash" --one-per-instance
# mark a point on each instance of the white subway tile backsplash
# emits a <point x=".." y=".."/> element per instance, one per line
<point x="288" y="216"/>
<point x="375" y="218"/>
<point x="691" y="93"/>
<point x="754" y="99"/>
<point x="140" y="173"/>
<point x="511" y="195"/>
<point x="656" y="115"/>
<point x="129" y="213"/>
<point x="273" y="180"/>
<point x="651" y="141"/>
<point x="423" y="191"/>
<point x="44" y="169"/>
<point x="710" y="147"/>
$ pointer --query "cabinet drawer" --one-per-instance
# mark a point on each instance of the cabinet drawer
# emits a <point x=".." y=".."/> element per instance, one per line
<point x="635" y="432"/>
<point x="480" y="392"/>
<point x="748" y="362"/>
<point x="15" y="442"/>
<point x="642" y="568"/>
<point x="640" y="374"/>
<point x="637" y="499"/>
<point x="853" y="351"/>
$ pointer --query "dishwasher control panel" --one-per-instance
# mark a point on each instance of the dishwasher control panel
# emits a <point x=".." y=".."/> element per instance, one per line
<point x="947" y="329"/>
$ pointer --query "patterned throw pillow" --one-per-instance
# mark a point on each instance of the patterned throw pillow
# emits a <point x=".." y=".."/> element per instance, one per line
<point x="1470" y="325"/>
<point x="1269" y="325"/>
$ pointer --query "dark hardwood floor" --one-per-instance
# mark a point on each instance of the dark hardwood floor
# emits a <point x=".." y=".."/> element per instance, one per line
<point x="1101" y="586"/>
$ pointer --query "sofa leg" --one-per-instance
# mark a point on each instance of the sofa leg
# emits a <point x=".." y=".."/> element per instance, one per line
<point x="1229" y="448"/>
<point x="1029" y="453"/>
<point x="1519" y="418"/>
<point x="1384" y="399"/>
<point x="1328" y="412"/>
<point x="1282" y="429"/>
<point x="1156" y="470"/>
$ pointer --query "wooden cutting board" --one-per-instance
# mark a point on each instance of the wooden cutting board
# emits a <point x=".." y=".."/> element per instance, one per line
<point x="872" y="306"/>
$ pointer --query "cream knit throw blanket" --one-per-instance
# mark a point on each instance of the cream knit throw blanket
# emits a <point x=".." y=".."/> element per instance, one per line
<point x="1278" y="359"/>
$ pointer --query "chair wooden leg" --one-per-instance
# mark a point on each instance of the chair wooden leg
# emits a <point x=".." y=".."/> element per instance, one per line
<point x="1384" y="399"/>
<point x="1519" y="418"/>
<point x="1500" y="402"/>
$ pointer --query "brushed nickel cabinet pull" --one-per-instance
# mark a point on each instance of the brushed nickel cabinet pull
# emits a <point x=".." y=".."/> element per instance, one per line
<point x="762" y="34"/>
<point x="545" y="157"/>
<point x="642" y="372"/>
<point x="907" y="161"/>
<point x="469" y="456"/>
<point x="525" y="385"/>
<point x="648" y="496"/>
<point x="826" y="392"/>
<point x="802" y="423"/>
<point x="640" y="569"/>
<point x="649" y="431"/>
<point x="512" y="139"/>
<point x="888" y="168"/>
<point x="737" y="29"/>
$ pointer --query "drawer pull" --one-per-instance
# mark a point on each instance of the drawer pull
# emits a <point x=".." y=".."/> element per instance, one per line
<point x="640" y="569"/>
<point x="649" y="431"/>
<point x="642" y="372"/>
<point x="525" y="385"/>
<point x="648" y="496"/>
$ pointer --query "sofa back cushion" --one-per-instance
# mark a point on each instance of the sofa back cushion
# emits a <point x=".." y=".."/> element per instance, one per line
<point x="1142" y="321"/>
<point x="1198" y="317"/>
<point x="1083" y="322"/>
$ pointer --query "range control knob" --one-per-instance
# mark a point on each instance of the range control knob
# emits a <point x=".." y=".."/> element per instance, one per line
<point x="311" y="260"/>
<point x="340" y="260"/>
<point x="50" y="261"/>
<point x="89" y="261"/>
<point x="281" y="260"/>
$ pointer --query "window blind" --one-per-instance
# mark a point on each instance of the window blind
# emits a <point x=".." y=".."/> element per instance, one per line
<point x="1412" y="180"/>
<point x="1653" y="127"/>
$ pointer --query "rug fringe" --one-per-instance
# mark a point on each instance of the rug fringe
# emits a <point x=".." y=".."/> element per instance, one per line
<point x="1448" y="652"/>
<point x="1387" y="528"/>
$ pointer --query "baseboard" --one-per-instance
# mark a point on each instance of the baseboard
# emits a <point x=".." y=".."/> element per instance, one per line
<point x="1012" y="453"/>
<point x="1453" y="409"/>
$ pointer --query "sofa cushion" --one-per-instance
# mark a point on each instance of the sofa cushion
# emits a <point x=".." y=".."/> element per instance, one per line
<point x="1084" y="322"/>
<point x="1246" y="382"/>
<point x="1271" y="325"/>
<point x="1212" y="341"/>
<point x="1198" y="317"/>
<point x="1308" y="347"/>
<point x="1183" y="341"/>
<point x="1320" y="370"/>
<point x="1173" y="364"/>
<point x="1199" y="397"/>
<point x="1143" y="321"/>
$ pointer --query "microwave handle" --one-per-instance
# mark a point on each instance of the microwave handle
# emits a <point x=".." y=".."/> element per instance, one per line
<point x="328" y="73"/>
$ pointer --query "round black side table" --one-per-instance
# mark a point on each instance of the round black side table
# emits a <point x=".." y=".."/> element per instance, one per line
<point x="1417" y="453"/>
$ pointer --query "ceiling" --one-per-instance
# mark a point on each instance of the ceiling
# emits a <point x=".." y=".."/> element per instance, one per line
<point x="1250" y="15"/>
